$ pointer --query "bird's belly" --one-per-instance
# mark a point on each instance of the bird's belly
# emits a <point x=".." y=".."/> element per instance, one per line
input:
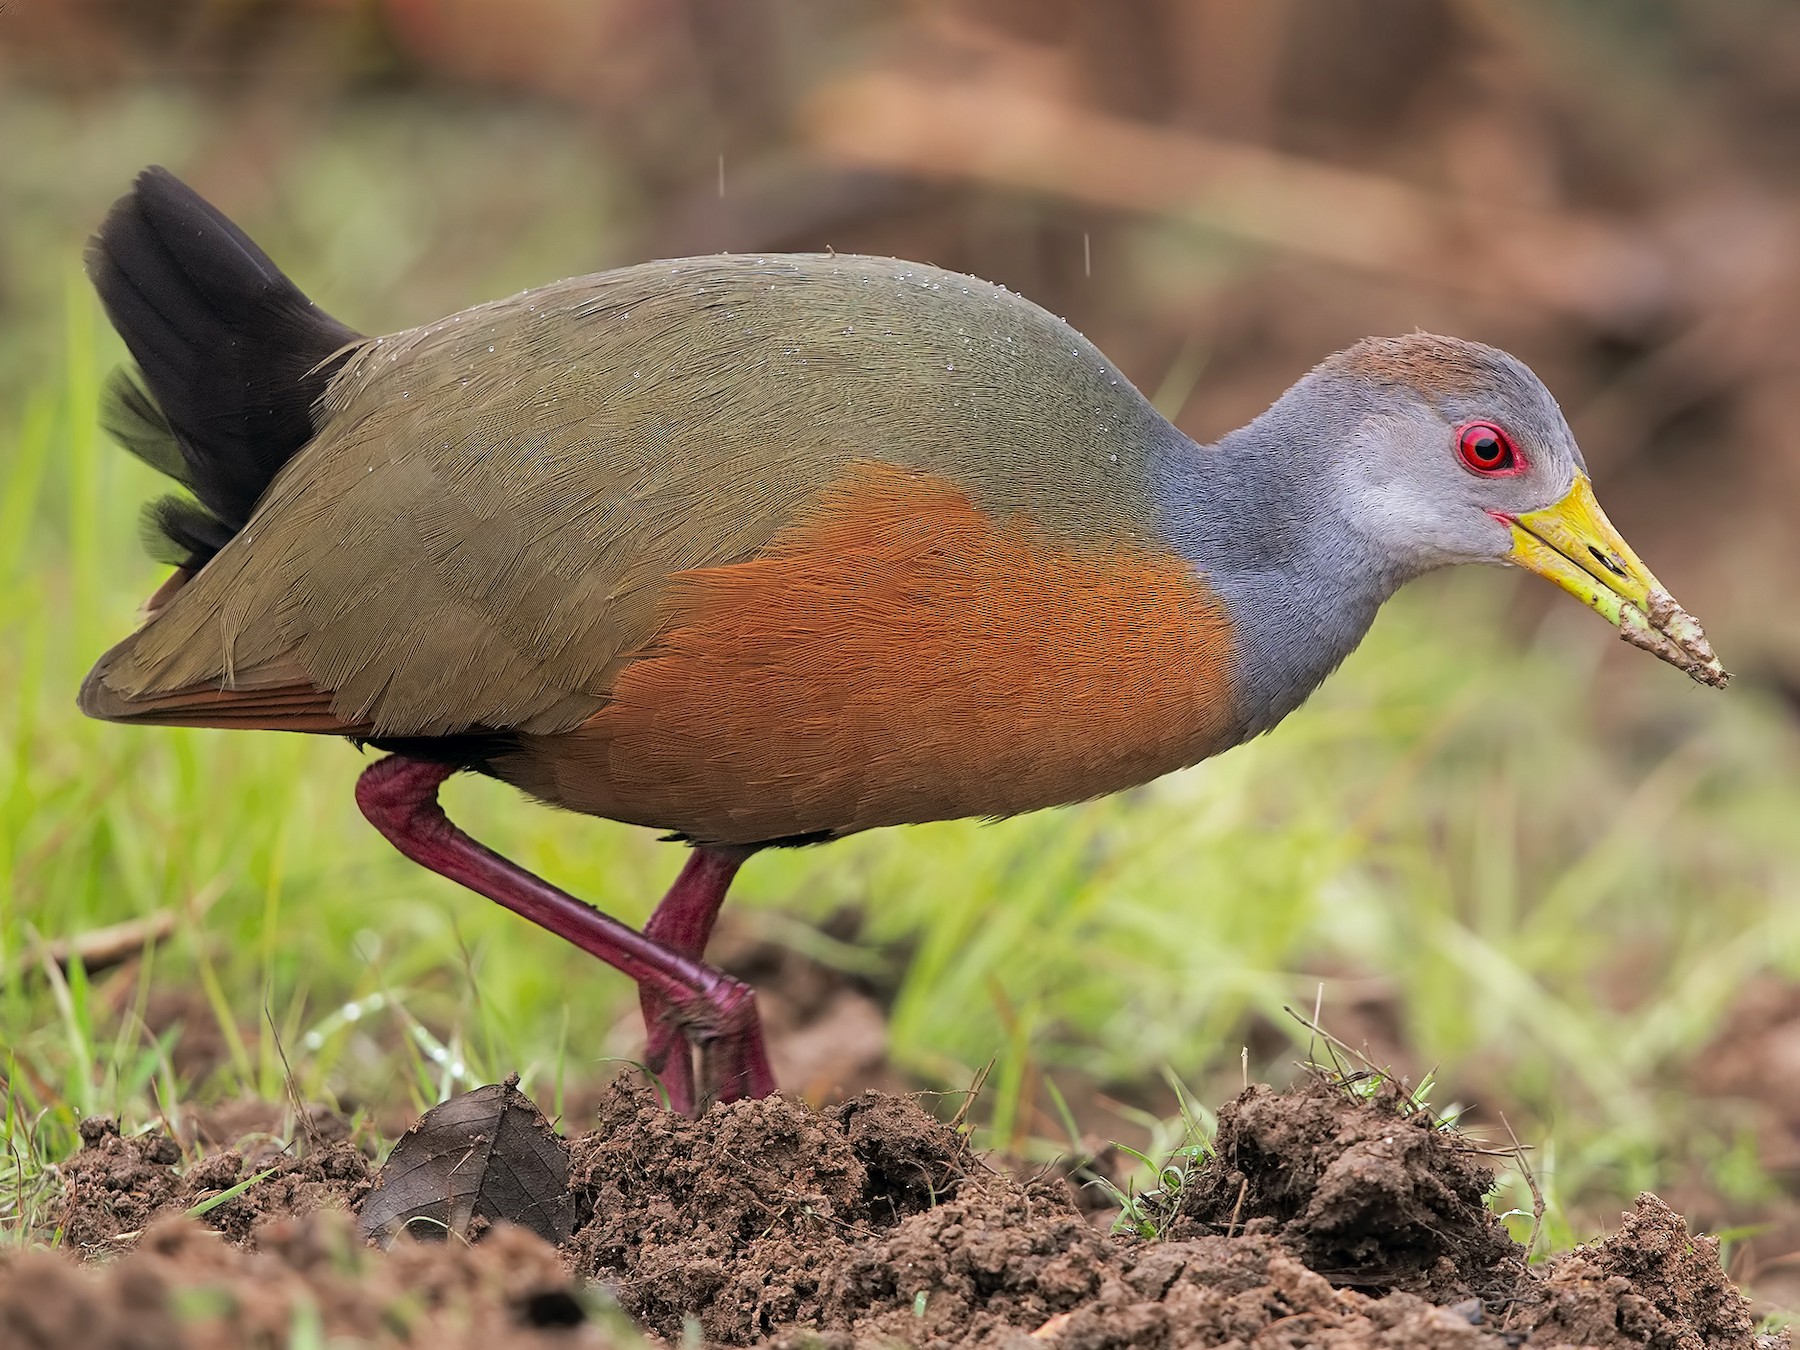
<point x="898" y="656"/>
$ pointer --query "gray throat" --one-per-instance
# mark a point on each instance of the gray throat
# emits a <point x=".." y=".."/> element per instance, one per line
<point x="1256" y="513"/>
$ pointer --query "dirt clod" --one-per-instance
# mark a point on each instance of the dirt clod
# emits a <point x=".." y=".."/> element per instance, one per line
<point x="1648" y="1284"/>
<point x="117" y="1185"/>
<point x="1377" y="1198"/>
<point x="1322" y="1220"/>
<point x="308" y="1281"/>
<point x="734" y="1219"/>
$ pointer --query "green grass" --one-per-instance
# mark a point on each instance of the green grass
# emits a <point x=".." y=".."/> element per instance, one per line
<point x="1560" y="860"/>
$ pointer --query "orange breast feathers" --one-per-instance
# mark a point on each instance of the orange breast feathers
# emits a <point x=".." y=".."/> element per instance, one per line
<point x="897" y="655"/>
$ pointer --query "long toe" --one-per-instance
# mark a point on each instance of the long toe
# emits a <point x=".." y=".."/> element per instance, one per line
<point x="736" y="1068"/>
<point x="668" y="1053"/>
<point x="734" y="1064"/>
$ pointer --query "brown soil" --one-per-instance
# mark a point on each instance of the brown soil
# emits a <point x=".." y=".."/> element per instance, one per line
<point x="1319" y="1220"/>
<point x="184" y="1289"/>
<point x="1370" y="1199"/>
<point x="116" y="1186"/>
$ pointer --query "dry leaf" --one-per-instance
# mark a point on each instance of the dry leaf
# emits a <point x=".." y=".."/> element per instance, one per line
<point x="476" y="1159"/>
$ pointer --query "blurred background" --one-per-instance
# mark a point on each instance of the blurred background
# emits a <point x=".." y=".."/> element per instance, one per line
<point x="1500" y="850"/>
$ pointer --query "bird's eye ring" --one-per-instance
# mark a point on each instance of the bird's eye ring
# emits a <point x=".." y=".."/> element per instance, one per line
<point x="1486" y="449"/>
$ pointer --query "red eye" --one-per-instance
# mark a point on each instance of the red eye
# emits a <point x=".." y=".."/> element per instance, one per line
<point x="1487" y="449"/>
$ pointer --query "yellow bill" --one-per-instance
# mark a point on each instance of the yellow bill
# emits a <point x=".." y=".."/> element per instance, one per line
<point x="1575" y="545"/>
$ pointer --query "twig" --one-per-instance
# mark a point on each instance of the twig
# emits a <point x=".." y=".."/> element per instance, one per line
<point x="99" y="948"/>
<point x="1537" y="1196"/>
<point x="302" y="1116"/>
<point x="974" y="1091"/>
<point x="1238" y="1208"/>
<point x="1332" y="1041"/>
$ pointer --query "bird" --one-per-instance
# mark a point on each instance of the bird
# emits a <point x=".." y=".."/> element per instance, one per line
<point x="763" y="551"/>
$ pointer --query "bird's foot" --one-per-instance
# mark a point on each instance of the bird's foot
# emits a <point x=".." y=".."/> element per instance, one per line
<point x="720" y="1025"/>
<point x="717" y="1021"/>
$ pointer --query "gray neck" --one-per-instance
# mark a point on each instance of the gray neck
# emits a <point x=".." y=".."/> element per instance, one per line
<point x="1257" y="515"/>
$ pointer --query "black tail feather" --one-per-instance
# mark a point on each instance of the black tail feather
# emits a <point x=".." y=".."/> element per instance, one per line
<point x="177" y="529"/>
<point x="130" y="416"/>
<point x="233" y="357"/>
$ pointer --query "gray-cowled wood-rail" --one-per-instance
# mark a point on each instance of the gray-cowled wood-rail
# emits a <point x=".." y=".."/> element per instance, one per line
<point x="768" y="550"/>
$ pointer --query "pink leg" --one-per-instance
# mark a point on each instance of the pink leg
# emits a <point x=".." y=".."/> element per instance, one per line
<point x="682" y="923"/>
<point x="399" y="796"/>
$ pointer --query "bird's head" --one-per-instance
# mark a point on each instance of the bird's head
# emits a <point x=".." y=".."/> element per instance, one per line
<point x="1455" y="452"/>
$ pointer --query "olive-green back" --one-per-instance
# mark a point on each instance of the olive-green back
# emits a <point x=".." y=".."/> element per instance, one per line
<point x="479" y="534"/>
